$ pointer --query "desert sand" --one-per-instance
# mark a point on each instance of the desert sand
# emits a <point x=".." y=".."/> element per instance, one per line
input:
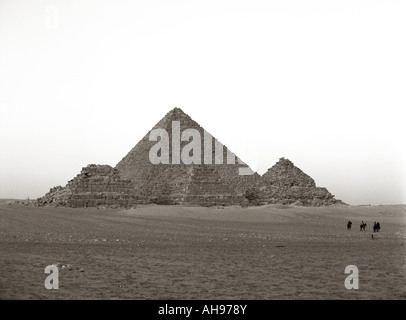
<point x="179" y="252"/>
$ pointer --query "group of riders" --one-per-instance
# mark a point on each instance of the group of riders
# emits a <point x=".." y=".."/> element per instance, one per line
<point x="376" y="227"/>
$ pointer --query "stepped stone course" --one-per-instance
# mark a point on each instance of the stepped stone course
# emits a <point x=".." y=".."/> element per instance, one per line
<point x="96" y="185"/>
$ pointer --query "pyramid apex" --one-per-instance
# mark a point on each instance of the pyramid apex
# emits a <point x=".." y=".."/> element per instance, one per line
<point x="285" y="160"/>
<point x="176" y="112"/>
<point x="176" y="109"/>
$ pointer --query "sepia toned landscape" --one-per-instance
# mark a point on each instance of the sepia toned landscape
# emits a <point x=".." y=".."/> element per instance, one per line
<point x="207" y="227"/>
<point x="185" y="252"/>
<point x="203" y="150"/>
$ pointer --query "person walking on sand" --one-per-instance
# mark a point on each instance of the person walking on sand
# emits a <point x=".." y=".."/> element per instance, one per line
<point x="349" y="225"/>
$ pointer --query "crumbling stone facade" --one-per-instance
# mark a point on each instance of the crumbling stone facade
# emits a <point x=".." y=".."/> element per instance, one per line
<point x="96" y="185"/>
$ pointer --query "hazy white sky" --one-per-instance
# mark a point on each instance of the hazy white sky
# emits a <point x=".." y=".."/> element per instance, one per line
<point x="322" y="83"/>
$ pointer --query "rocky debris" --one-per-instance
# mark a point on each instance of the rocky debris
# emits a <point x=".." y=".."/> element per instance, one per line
<point x="68" y="267"/>
<point x="26" y="202"/>
<point x="57" y="196"/>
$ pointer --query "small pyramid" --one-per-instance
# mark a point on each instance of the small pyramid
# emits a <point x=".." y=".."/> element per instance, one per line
<point x="285" y="173"/>
<point x="287" y="184"/>
<point x="95" y="185"/>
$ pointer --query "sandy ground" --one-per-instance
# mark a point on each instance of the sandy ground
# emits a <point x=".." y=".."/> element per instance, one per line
<point x="175" y="252"/>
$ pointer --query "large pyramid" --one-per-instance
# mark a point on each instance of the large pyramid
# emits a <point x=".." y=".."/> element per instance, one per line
<point x="178" y="162"/>
<point x="215" y="178"/>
